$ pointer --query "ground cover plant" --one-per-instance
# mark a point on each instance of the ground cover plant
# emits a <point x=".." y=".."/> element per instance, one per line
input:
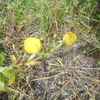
<point x="49" y="50"/>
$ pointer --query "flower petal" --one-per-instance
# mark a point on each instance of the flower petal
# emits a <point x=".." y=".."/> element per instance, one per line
<point x="69" y="38"/>
<point x="32" y="45"/>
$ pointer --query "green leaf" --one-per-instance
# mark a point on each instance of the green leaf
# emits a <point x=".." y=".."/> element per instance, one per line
<point x="20" y="26"/>
<point x="12" y="6"/>
<point x="2" y="81"/>
<point x="2" y="49"/>
<point x="2" y="69"/>
<point x="2" y="58"/>
<point x="1" y="62"/>
<point x="21" y="71"/>
<point x="7" y="89"/>
<point x="1" y="41"/>
<point x="98" y="16"/>
<point x="10" y="74"/>
<point x="17" y="77"/>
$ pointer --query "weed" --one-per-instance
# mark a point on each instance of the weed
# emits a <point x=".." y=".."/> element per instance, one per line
<point x="56" y="73"/>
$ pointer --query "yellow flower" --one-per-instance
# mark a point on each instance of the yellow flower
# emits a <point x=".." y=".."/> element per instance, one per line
<point x="32" y="45"/>
<point x="69" y="38"/>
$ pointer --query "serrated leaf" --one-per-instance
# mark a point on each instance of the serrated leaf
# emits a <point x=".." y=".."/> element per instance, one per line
<point x="2" y="81"/>
<point x="10" y="74"/>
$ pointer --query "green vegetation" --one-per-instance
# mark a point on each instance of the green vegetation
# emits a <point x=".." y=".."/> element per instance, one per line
<point x="57" y="72"/>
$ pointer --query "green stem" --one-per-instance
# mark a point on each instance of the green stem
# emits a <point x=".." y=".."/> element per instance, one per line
<point x="59" y="45"/>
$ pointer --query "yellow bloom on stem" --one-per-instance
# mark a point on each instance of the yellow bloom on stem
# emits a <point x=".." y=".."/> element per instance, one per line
<point x="32" y="45"/>
<point x="69" y="38"/>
